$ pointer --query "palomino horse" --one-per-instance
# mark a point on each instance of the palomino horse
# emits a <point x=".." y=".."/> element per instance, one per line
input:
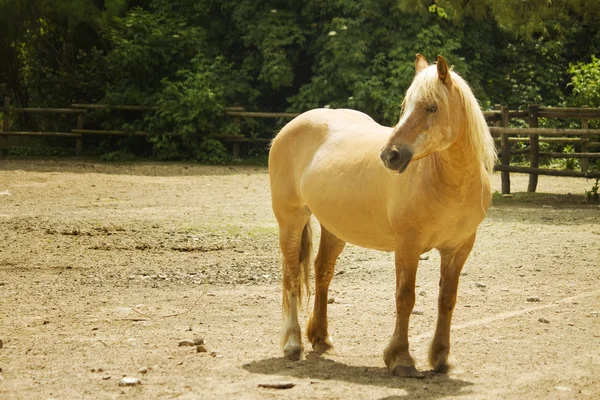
<point x="420" y="185"/>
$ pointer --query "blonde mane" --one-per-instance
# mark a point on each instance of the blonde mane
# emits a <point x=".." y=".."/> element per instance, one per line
<point x="426" y="86"/>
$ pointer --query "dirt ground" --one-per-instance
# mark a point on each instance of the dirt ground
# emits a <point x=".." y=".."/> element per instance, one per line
<point x="104" y="268"/>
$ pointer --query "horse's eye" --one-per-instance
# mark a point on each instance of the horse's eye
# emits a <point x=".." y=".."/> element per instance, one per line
<point x="431" y="109"/>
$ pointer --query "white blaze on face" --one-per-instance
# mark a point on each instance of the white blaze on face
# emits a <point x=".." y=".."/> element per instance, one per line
<point x="407" y="112"/>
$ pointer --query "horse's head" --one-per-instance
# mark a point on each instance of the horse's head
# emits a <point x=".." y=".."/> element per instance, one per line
<point x="430" y="119"/>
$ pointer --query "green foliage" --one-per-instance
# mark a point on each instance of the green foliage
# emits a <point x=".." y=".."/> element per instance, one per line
<point x="192" y="106"/>
<point x="585" y="82"/>
<point x="593" y="195"/>
<point x="118" y="156"/>
<point x="193" y="58"/>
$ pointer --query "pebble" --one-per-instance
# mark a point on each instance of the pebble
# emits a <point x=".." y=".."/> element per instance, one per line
<point x="201" y="349"/>
<point x="330" y="300"/>
<point x="186" y="342"/>
<point x="129" y="381"/>
<point x="562" y="388"/>
<point x="423" y="258"/>
<point x="105" y="378"/>
<point x="422" y="293"/>
<point x="417" y="312"/>
<point x="198" y="341"/>
<point x="534" y="299"/>
<point x="1" y="344"/>
<point x="277" y="385"/>
<point x="543" y="320"/>
<point x="592" y="314"/>
<point x="143" y="370"/>
<point x="480" y="285"/>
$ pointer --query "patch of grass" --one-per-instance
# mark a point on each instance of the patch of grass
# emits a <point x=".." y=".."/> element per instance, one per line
<point x="261" y="160"/>
<point x="538" y="199"/>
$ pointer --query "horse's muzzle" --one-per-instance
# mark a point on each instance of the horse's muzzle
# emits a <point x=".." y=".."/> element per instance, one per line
<point x="395" y="159"/>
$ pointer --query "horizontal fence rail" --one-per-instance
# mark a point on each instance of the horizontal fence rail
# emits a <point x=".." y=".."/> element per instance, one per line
<point x="588" y="140"/>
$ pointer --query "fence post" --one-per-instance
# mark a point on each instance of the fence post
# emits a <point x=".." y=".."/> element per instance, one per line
<point x="534" y="147"/>
<point x="5" y="128"/>
<point x="78" y="141"/>
<point x="238" y="123"/>
<point x="584" y="147"/>
<point x="505" y="150"/>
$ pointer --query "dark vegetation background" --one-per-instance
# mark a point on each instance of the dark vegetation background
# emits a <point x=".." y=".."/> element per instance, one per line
<point x="193" y="58"/>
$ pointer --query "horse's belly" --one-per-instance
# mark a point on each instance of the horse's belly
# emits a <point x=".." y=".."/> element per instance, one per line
<point x="359" y="227"/>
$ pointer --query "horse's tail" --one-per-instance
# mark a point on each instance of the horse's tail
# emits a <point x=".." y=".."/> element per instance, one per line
<point x="305" y="260"/>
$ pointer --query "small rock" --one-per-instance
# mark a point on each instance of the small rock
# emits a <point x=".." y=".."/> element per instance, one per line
<point x="186" y="342"/>
<point x="592" y="314"/>
<point x="422" y="293"/>
<point x="201" y="349"/>
<point x="45" y="322"/>
<point x="277" y="385"/>
<point x="1" y="344"/>
<point x="340" y="272"/>
<point x="330" y="300"/>
<point x="143" y="370"/>
<point x="424" y="258"/>
<point x="198" y="341"/>
<point x="480" y="285"/>
<point x="105" y="378"/>
<point x="417" y="312"/>
<point x="129" y="381"/>
<point x="543" y="320"/>
<point x="99" y="370"/>
<point x="534" y="299"/>
<point x="562" y="388"/>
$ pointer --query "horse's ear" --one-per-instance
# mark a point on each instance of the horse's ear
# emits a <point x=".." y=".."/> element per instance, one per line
<point x="442" y="68"/>
<point x="420" y="63"/>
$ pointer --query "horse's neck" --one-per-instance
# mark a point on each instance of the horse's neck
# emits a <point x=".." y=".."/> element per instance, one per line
<point x="457" y="168"/>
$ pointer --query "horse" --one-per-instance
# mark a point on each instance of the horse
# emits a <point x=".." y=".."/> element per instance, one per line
<point x="420" y="185"/>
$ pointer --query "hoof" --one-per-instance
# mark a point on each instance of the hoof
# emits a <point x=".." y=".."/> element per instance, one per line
<point x="403" y="371"/>
<point x="292" y="353"/>
<point x="442" y="368"/>
<point x="322" y="347"/>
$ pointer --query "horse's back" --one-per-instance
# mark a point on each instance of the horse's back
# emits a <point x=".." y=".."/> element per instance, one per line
<point x="314" y="132"/>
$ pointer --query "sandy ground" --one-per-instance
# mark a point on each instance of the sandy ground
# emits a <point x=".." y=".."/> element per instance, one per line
<point x="104" y="268"/>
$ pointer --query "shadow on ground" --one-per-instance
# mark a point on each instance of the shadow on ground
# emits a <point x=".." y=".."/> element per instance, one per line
<point x="320" y="368"/>
<point x="137" y="168"/>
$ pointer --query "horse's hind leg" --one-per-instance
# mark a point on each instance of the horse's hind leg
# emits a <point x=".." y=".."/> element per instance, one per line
<point x="451" y="265"/>
<point x="330" y="248"/>
<point x="295" y="244"/>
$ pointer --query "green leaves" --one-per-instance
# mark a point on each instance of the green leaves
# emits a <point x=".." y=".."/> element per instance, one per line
<point x="585" y="82"/>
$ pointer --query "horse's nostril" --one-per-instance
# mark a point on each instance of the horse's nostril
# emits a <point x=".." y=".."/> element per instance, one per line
<point x="390" y="156"/>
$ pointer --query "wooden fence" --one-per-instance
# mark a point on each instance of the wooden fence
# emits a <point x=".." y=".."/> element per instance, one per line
<point x="534" y="135"/>
<point x="6" y="132"/>
<point x="497" y="119"/>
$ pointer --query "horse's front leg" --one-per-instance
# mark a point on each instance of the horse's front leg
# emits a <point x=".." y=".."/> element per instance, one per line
<point x="396" y="355"/>
<point x="452" y="262"/>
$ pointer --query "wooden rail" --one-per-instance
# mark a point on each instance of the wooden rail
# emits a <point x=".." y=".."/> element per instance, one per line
<point x="533" y="136"/>
<point x="6" y="132"/>
<point x="501" y="132"/>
